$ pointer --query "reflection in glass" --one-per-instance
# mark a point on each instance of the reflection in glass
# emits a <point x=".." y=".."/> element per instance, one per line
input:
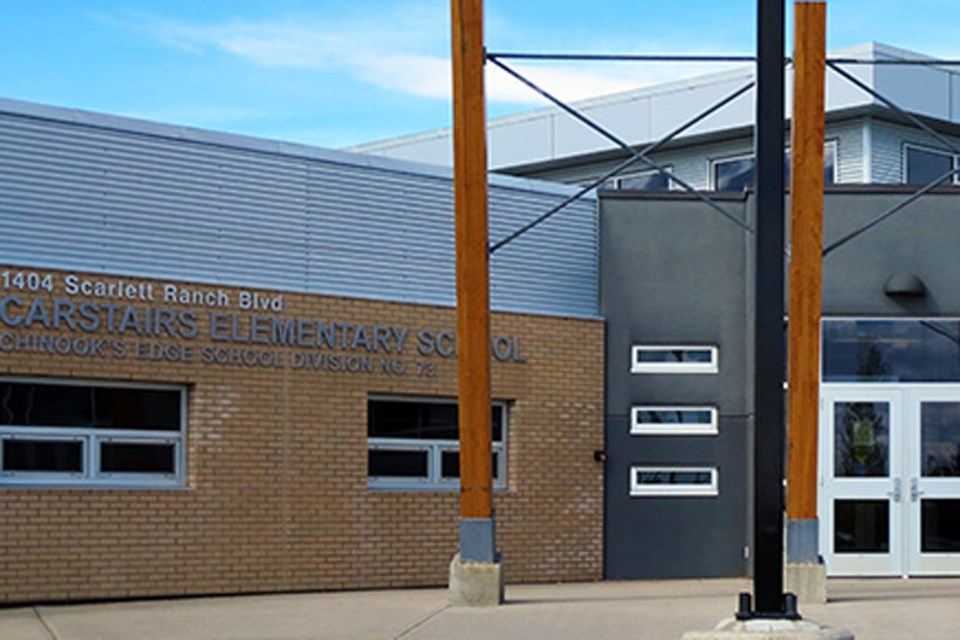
<point x="129" y="457"/>
<point x="674" y="416"/>
<point x="675" y="355"/>
<point x="674" y="477"/>
<point x="925" y="165"/>
<point x="861" y="526"/>
<point x="940" y="439"/>
<point x="861" y="439"/>
<point x="891" y="351"/>
<point x="397" y="464"/>
<point x="52" y="456"/>
<point x="940" y="526"/>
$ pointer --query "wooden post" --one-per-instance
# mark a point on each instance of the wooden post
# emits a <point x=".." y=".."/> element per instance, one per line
<point x="473" y="297"/>
<point x="806" y="215"/>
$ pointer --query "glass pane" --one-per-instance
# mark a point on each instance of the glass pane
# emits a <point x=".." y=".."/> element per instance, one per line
<point x="648" y="181"/>
<point x="398" y="464"/>
<point x="733" y="175"/>
<point x="861" y="526"/>
<point x="674" y="416"/>
<point x="891" y="351"/>
<point x="421" y="420"/>
<point x="43" y="455"/>
<point x="450" y="464"/>
<point x="128" y="457"/>
<point x="861" y="439"/>
<point x="940" y="438"/>
<point x="674" y="355"/>
<point x="147" y="409"/>
<point x="45" y="405"/>
<point x="674" y="477"/>
<point x="941" y="526"/>
<point x="439" y="421"/>
<point x="925" y="166"/>
<point x="829" y="162"/>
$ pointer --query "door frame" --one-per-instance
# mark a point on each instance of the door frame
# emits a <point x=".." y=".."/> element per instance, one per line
<point x="903" y="488"/>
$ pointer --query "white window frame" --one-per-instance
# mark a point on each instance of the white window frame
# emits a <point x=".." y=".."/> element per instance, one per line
<point x="636" y="366"/>
<point x="667" y="168"/>
<point x="940" y="152"/>
<point x="638" y="428"/>
<point x="91" y="476"/>
<point x="674" y="490"/>
<point x="711" y="166"/>
<point x="434" y="481"/>
<point x="833" y="144"/>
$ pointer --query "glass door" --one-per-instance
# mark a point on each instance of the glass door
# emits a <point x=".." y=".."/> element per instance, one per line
<point x="861" y="497"/>
<point x="932" y="489"/>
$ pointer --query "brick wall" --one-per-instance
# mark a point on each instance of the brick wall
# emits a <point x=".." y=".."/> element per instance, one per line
<point x="277" y="495"/>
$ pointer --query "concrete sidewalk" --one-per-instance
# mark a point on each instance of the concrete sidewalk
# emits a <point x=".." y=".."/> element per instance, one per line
<point x="927" y="609"/>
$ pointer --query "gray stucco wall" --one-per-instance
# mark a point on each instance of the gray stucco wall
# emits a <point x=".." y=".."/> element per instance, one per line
<point x="674" y="272"/>
<point x="921" y="239"/>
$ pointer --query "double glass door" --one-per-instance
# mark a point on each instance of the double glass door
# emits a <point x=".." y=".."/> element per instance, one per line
<point x="889" y="498"/>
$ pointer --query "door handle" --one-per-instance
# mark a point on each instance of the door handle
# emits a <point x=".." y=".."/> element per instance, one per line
<point x="915" y="491"/>
<point x="896" y="493"/>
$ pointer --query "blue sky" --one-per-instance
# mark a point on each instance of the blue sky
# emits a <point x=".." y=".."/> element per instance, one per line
<point x="339" y="72"/>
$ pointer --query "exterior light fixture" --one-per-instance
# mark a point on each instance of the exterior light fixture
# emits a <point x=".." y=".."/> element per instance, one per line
<point x="904" y="285"/>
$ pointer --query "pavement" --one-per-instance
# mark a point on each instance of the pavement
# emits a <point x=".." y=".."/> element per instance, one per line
<point x="888" y="609"/>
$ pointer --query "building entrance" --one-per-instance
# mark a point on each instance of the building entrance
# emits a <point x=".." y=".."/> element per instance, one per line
<point x="890" y="479"/>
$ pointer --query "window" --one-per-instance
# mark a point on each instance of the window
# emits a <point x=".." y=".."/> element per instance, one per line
<point x="82" y="434"/>
<point x="923" y="166"/>
<point x="733" y="174"/>
<point x="673" y="421"/>
<point x="649" y="180"/>
<point x="674" y="481"/>
<point x="674" y="359"/>
<point x="737" y="173"/>
<point x="412" y="443"/>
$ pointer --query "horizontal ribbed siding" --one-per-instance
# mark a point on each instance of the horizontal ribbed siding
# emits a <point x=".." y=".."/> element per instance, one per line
<point x="124" y="202"/>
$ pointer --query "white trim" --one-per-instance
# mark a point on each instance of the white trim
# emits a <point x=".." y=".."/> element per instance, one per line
<point x="636" y="366"/>
<point x="676" y="490"/>
<point x="673" y="428"/>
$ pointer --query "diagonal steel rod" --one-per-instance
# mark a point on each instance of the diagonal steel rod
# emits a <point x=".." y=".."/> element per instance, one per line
<point x="566" y="201"/>
<point x="623" y="165"/>
<point x="621" y="143"/>
<point x="915" y="63"/>
<point x="593" y="57"/>
<point x="889" y="212"/>
<point x="879" y="96"/>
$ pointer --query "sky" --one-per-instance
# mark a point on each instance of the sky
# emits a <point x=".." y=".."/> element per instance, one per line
<point x="338" y="72"/>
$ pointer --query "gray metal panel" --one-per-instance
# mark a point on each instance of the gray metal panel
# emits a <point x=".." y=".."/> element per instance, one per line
<point x="153" y="201"/>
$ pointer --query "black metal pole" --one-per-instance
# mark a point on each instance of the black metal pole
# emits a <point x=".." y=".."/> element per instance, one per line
<point x="769" y="338"/>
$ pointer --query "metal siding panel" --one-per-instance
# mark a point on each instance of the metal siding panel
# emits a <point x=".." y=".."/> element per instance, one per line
<point x="126" y="202"/>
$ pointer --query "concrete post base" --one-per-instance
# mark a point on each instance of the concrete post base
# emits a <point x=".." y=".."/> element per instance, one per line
<point x="475" y="584"/>
<point x="732" y="629"/>
<point x="807" y="580"/>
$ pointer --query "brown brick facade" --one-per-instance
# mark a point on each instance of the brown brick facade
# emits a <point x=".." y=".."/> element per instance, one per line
<point x="276" y="496"/>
